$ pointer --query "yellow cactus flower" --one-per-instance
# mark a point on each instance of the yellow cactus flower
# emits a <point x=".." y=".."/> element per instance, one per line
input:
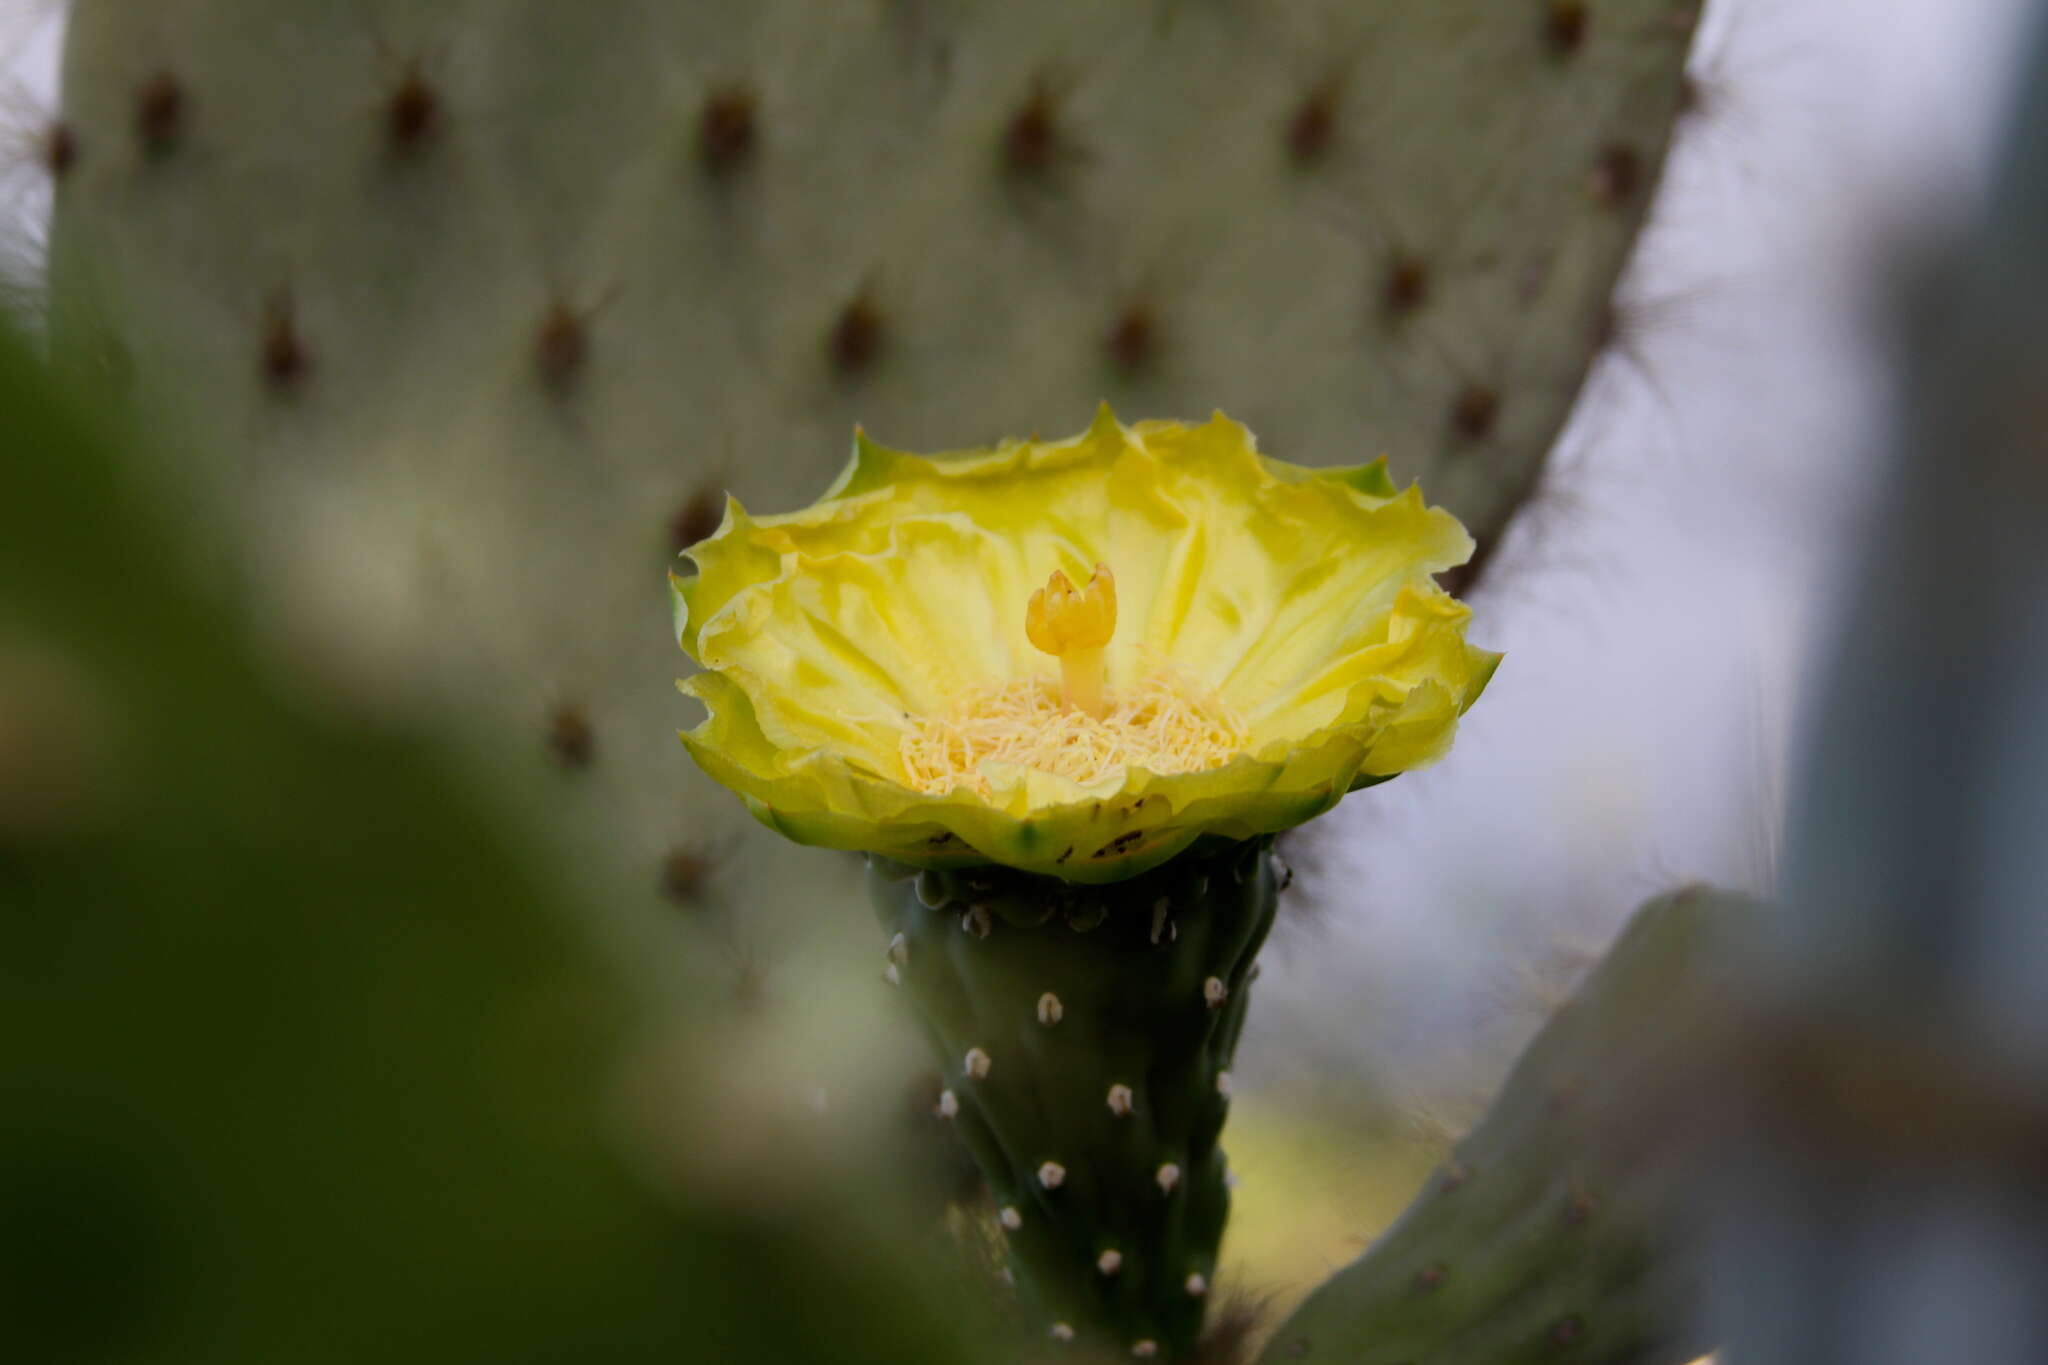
<point x="1252" y="639"/>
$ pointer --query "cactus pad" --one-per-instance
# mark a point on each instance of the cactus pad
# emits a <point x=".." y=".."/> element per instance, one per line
<point x="475" y="308"/>
<point x="1556" y="1229"/>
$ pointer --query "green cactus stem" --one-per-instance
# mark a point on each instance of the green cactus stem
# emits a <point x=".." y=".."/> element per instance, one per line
<point x="1086" y="1034"/>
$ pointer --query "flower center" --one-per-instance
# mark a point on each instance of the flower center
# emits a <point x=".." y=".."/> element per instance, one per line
<point x="1079" y="729"/>
<point x="1167" y="723"/>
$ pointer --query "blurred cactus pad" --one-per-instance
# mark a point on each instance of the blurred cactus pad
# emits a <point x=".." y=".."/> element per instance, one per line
<point x="476" y="310"/>
<point x="468" y="315"/>
<point x="304" y="1054"/>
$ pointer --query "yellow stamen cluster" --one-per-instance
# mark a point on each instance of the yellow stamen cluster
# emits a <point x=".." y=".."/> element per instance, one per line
<point x="1073" y="625"/>
<point x="1166" y="723"/>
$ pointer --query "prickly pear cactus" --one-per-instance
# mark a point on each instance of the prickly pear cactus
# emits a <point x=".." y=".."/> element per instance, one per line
<point x="475" y="308"/>
<point x="1558" y="1227"/>
<point x="1086" y="1035"/>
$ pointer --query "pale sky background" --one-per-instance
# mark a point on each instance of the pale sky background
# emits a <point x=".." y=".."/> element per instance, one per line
<point x="1664" y="607"/>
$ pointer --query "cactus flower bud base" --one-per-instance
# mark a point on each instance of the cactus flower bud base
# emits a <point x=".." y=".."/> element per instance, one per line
<point x="1112" y="1087"/>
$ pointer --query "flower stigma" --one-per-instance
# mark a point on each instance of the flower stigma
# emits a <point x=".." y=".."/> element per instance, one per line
<point x="1079" y="728"/>
<point x="1074" y="625"/>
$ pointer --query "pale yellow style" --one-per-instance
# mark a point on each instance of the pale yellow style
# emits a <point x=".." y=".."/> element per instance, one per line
<point x="907" y="666"/>
<point x="1074" y="625"/>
